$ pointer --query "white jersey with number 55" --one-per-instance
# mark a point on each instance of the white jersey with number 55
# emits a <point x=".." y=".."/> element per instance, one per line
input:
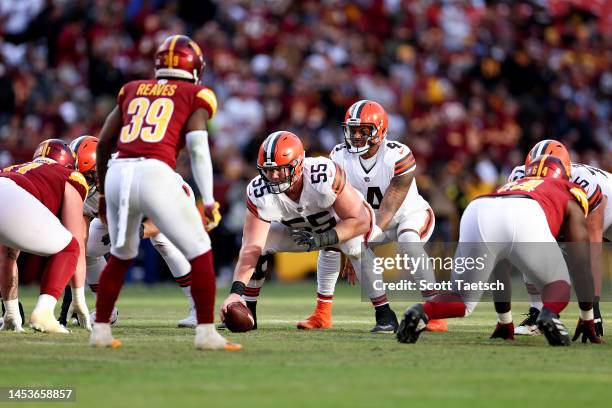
<point x="323" y="182"/>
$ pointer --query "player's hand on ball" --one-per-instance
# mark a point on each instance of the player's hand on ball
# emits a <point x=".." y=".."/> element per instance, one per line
<point x="212" y="216"/>
<point x="233" y="297"/>
<point x="314" y="240"/>
<point x="102" y="209"/>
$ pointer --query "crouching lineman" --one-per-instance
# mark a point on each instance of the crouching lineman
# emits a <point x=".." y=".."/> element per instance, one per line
<point x="98" y="240"/>
<point x="42" y="215"/>
<point x="150" y="125"/>
<point x="534" y="209"/>
<point x="298" y="204"/>
<point x="597" y="184"/>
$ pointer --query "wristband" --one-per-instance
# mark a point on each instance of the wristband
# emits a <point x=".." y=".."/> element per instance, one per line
<point x="329" y="238"/>
<point x="238" y="288"/>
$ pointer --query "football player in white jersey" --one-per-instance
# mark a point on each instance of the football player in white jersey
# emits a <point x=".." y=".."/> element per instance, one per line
<point x="299" y="204"/>
<point x="597" y="184"/>
<point x="381" y="170"/>
<point x="98" y="240"/>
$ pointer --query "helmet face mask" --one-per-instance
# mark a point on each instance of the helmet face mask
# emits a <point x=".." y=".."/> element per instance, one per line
<point x="358" y="137"/>
<point x="278" y="178"/>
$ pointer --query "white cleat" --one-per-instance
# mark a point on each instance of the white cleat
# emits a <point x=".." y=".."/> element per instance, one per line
<point x="207" y="338"/>
<point x="527" y="330"/>
<point x="101" y="336"/>
<point x="114" y="319"/>
<point x="44" y="321"/>
<point x="190" y="321"/>
<point x="11" y="323"/>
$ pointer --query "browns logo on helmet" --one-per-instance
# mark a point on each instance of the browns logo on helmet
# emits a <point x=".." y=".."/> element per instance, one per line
<point x="553" y="148"/>
<point x="281" y="160"/>
<point x="365" y="125"/>
<point x="56" y="150"/>
<point x="547" y="166"/>
<point x="84" y="148"/>
<point x="179" y="57"/>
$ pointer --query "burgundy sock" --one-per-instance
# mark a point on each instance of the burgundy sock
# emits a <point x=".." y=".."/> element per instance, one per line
<point x="109" y="287"/>
<point x="203" y="287"/>
<point x="555" y="295"/>
<point x="59" y="269"/>
<point x="444" y="305"/>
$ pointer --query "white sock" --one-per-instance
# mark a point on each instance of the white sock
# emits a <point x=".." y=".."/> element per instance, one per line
<point x="45" y="302"/>
<point x="328" y="269"/>
<point x="12" y="307"/>
<point x="505" y="318"/>
<point x="206" y="329"/>
<point x="587" y="315"/>
<point x="78" y="295"/>
<point x="177" y="263"/>
<point x="187" y="292"/>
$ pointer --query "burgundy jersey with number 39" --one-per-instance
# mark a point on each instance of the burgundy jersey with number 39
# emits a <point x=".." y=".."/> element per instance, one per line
<point x="552" y="195"/>
<point x="46" y="181"/>
<point x="154" y="113"/>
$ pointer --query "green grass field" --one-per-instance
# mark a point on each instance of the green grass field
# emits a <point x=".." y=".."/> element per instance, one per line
<point x="281" y="366"/>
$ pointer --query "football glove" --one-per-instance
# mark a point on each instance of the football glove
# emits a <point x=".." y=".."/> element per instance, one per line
<point x="586" y="328"/>
<point x="314" y="240"/>
<point x="212" y="216"/>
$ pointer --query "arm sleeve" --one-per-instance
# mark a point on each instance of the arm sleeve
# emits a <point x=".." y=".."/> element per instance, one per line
<point x="201" y="163"/>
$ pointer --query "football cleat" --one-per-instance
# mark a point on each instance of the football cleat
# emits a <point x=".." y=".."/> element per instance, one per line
<point x="553" y="328"/>
<point x="437" y="325"/>
<point x="503" y="331"/>
<point x="386" y="321"/>
<point x="190" y="321"/>
<point x="319" y="319"/>
<point x="101" y="336"/>
<point x="44" y="321"/>
<point x="588" y="330"/>
<point x="114" y="319"/>
<point x="207" y="338"/>
<point x="412" y="325"/>
<point x="528" y="327"/>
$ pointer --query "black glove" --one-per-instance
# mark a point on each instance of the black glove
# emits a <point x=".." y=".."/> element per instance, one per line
<point x="586" y="328"/>
<point x="313" y="240"/>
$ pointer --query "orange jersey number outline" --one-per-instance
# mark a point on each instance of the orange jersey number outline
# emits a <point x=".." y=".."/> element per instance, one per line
<point x="156" y="114"/>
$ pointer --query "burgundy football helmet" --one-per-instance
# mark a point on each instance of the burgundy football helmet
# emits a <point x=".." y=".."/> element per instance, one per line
<point x="179" y="57"/>
<point x="56" y="150"/>
<point x="547" y="166"/>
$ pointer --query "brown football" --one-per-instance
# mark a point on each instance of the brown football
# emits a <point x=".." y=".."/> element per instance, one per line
<point x="238" y="318"/>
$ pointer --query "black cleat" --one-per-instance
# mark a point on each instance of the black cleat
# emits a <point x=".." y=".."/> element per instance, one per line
<point x="386" y="321"/>
<point x="414" y="322"/>
<point x="528" y="327"/>
<point x="551" y="325"/>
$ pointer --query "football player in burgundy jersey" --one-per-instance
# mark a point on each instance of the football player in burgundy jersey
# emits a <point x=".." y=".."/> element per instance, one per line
<point x="153" y="120"/>
<point x="597" y="184"/>
<point x="534" y="209"/>
<point x="98" y="240"/>
<point x="42" y="215"/>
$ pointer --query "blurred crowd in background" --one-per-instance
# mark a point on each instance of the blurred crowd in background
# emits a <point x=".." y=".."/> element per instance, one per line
<point x="470" y="85"/>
